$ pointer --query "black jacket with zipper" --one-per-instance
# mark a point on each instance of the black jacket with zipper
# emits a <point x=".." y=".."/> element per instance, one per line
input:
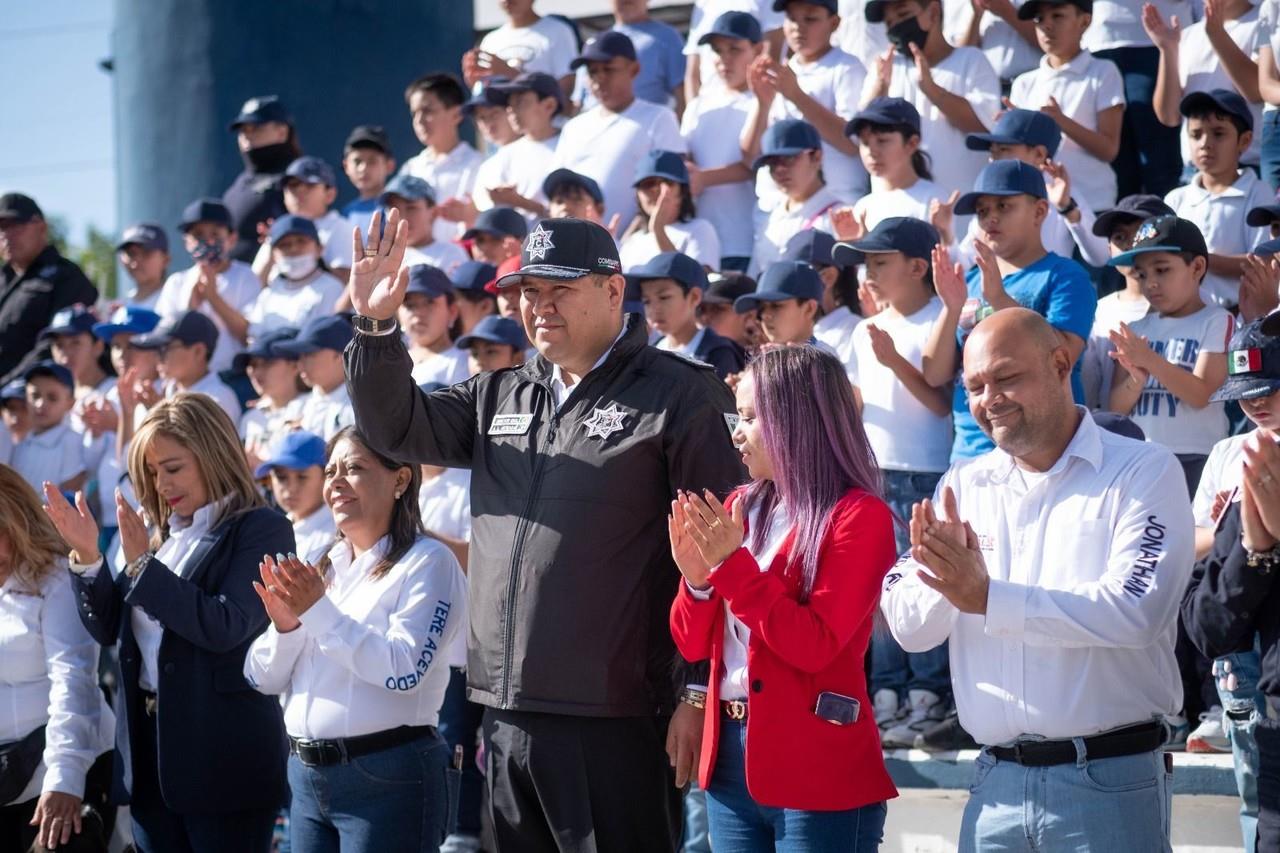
<point x="570" y="569"/>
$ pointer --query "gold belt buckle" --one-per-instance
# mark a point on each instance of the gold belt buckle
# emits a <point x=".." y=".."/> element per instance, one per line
<point x="735" y="709"/>
<point x="149" y="705"/>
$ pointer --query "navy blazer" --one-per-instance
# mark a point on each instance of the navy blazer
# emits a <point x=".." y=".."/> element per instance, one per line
<point x="221" y="744"/>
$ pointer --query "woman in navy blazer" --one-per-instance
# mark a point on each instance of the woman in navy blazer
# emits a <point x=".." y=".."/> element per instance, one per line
<point x="201" y="754"/>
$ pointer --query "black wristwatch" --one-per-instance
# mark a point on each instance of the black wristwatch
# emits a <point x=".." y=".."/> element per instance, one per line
<point x="369" y="326"/>
<point x="1071" y="205"/>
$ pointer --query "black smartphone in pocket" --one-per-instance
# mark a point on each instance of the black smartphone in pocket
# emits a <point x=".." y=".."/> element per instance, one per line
<point x="837" y="709"/>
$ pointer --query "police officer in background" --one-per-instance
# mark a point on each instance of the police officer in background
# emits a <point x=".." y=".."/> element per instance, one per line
<point x="35" y="283"/>
<point x="268" y="143"/>
<point x="575" y="459"/>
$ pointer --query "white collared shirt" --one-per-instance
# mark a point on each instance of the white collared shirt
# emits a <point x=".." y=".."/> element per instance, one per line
<point x="314" y="535"/>
<point x="558" y="386"/>
<point x="1088" y="562"/>
<point x="215" y="389"/>
<point x="238" y="285"/>
<point x="452" y="175"/>
<point x="1083" y="88"/>
<point x="1007" y="51"/>
<point x="883" y="203"/>
<point x="49" y="675"/>
<point x="689" y="349"/>
<point x="372" y="654"/>
<point x="56" y="455"/>
<point x="326" y="413"/>
<point x="546" y="45"/>
<point x="737" y="636"/>
<point x="785" y="221"/>
<point x="711" y="125"/>
<point x="1118" y="23"/>
<point x="260" y="424"/>
<point x="524" y="164"/>
<point x="293" y="303"/>
<point x="1221" y="218"/>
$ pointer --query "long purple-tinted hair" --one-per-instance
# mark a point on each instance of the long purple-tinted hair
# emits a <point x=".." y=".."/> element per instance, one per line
<point x="815" y="440"/>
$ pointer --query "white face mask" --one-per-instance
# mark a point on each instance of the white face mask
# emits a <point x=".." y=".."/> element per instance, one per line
<point x="296" y="266"/>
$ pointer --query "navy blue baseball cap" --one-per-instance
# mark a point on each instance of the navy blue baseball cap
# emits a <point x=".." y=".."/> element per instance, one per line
<point x="783" y="280"/>
<point x="410" y="187"/>
<point x="914" y="238"/>
<point x="1262" y="215"/>
<point x="291" y="223"/>
<point x="127" y="320"/>
<point x="51" y="369"/>
<point x="1217" y="101"/>
<point x="539" y="82"/>
<point x="19" y="208"/>
<point x="75" y="320"/>
<point x="1137" y="207"/>
<point x="724" y="289"/>
<point x="188" y="328"/>
<point x="1266" y="249"/>
<point x="483" y="95"/>
<point x="205" y="210"/>
<point x="15" y="389"/>
<point x="261" y="110"/>
<point x="424" y="278"/>
<point x="497" y="330"/>
<point x="610" y="44"/>
<point x="830" y="5"/>
<point x="332" y="331"/>
<point x="148" y="235"/>
<point x="565" y="249"/>
<point x="1019" y="127"/>
<point x="734" y="25"/>
<point x="472" y="276"/>
<point x="265" y="346"/>
<point x="569" y="178"/>
<point x="310" y="170"/>
<point x="296" y="450"/>
<point x="1003" y="178"/>
<point x="1163" y="234"/>
<point x="1030" y="10"/>
<point x="787" y="137"/>
<point x="667" y="165"/>
<point x="1253" y="364"/>
<point x="885" y="112"/>
<point x="368" y="136"/>
<point x="1118" y="424"/>
<point x="812" y="245"/>
<point x="499" y="221"/>
<point x="677" y="266"/>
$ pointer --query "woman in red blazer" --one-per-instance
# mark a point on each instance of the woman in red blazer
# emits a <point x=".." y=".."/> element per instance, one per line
<point x="781" y="587"/>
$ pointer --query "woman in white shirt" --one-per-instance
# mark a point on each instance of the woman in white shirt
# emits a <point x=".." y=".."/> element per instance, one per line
<point x="359" y="648"/>
<point x="667" y="221"/>
<point x="55" y="723"/>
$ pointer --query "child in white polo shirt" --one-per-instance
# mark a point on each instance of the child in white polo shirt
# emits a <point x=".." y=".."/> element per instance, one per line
<point x="447" y="162"/>
<point x="310" y="187"/>
<point x="792" y="152"/>
<point x="416" y="201"/>
<point x="888" y="136"/>
<point x="1007" y="41"/>
<point x="533" y="100"/>
<point x="295" y="466"/>
<point x="1218" y="199"/>
<point x="1083" y="94"/>
<point x="52" y="451"/>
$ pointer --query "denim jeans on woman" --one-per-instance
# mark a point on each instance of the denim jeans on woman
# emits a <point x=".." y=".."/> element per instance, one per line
<point x="1241" y="708"/>
<point x="402" y="798"/>
<point x="739" y="825"/>
<point x="1270" y="151"/>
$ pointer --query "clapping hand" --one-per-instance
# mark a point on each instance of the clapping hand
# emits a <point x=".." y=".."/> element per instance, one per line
<point x="948" y="548"/>
<point x="378" y="277"/>
<point x="75" y="524"/>
<point x="1132" y="351"/>
<point x="883" y="348"/>
<point x="1260" y="509"/>
<point x="684" y="552"/>
<point x="1053" y="110"/>
<point x="292" y="583"/>
<point x="281" y="616"/>
<point x="847" y="224"/>
<point x="762" y="84"/>
<point x="134" y="539"/>
<point x="1163" y="36"/>
<point x="942" y="216"/>
<point x="948" y="279"/>
<point x="667" y="210"/>
<point x="1057" y="183"/>
<point x="1259" y="287"/>
<point x="989" y="265"/>
<point x="99" y="416"/>
<point x="716" y="532"/>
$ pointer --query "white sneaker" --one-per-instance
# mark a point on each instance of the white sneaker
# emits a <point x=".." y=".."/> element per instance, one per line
<point x="886" y="707"/>
<point x="925" y="710"/>
<point x="1209" y="736"/>
<point x="457" y="843"/>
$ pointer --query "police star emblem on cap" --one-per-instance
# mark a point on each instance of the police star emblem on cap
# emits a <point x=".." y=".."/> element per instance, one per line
<point x="538" y="244"/>
<point x="604" y="422"/>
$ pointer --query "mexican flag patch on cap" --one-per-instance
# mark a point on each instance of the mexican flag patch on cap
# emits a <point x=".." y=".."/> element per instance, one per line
<point x="1244" y="361"/>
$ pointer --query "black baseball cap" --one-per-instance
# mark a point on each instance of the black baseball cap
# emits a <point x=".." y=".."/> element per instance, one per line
<point x="914" y="238"/>
<point x="564" y="250"/>
<point x="783" y="280"/>
<point x="886" y="112"/>
<point x="472" y="276"/>
<point x="676" y="266"/>
<point x="1003" y="178"/>
<point x="1030" y="10"/>
<point x="1262" y="215"/>
<point x="428" y="279"/>
<point x="1163" y="234"/>
<point x="725" y="288"/>
<point x="19" y="207"/>
<point x="205" y="210"/>
<point x="610" y="44"/>
<point x="569" y="178"/>
<point x="499" y="221"/>
<point x="539" y="82"/>
<point x="874" y="11"/>
<point x="148" y="235"/>
<point x="1253" y="364"/>
<point x="368" y="136"/>
<point x="189" y="327"/>
<point x="261" y="110"/>
<point x="1019" y="127"/>
<point x="497" y="330"/>
<point x="734" y="25"/>
<point x="265" y="346"/>
<point x="1138" y="206"/>
<point x="332" y="331"/>
<point x="812" y="245"/>
<point x="1217" y="101"/>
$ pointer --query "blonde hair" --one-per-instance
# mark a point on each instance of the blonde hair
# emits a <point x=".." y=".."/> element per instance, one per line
<point x="200" y="425"/>
<point x="33" y="540"/>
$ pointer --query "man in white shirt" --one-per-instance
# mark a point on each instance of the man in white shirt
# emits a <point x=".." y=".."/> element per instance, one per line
<point x="1054" y="565"/>
<point x="607" y="141"/>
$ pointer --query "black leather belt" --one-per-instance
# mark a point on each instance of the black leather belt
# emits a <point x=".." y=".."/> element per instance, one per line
<point x="1131" y="740"/>
<point x="324" y="753"/>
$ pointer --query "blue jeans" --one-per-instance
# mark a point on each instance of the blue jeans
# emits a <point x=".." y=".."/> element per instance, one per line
<point x="1083" y="807"/>
<point x="891" y="667"/>
<point x="739" y="825"/>
<point x="696" y="837"/>
<point x="460" y="726"/>
<point x="1270" y="151"/>
<point x="402" y="798"/>
<point x="1240" y="710"/>
<point x="1149" y="160"/>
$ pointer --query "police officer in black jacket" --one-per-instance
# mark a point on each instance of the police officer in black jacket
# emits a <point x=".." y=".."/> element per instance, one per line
<point x="268" y="144"/>
<point x="35" y="283"/>
<point x="575" y="458"/>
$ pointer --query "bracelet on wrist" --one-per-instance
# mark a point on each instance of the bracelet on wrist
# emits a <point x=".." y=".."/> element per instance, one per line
<point x="696" y="698"/>
<point x="1068" y="208"/>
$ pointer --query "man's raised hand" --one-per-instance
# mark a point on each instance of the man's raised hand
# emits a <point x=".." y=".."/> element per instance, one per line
<point x="378" y="276"/>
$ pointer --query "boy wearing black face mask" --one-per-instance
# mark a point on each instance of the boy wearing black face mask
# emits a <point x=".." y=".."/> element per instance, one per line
<point x="955" y="89"/>
<point x="215" y="285"/>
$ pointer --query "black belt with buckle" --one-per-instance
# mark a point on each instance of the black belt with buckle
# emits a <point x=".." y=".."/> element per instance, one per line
<point x="325" y="753"/>
<point x="1131" y="740"/>
<point x="149" y="703"/>
<point x="734" y="709"/>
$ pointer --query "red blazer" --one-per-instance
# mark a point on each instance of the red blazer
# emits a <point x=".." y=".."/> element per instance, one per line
<point x="794" y="759"/>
